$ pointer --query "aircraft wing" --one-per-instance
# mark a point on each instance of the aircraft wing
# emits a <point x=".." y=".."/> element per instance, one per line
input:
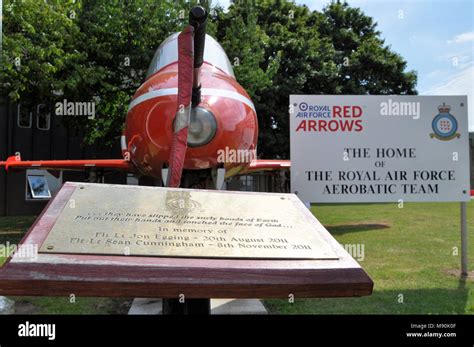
<point x="266" y="165"/>
<point x="15" y="163"/>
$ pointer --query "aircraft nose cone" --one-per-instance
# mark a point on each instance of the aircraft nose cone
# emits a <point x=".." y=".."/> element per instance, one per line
<point x="195" y="127"/>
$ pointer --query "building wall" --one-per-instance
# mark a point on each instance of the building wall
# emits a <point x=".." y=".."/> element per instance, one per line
<point x="33" y="143"/>
<point x="3" y="154"/>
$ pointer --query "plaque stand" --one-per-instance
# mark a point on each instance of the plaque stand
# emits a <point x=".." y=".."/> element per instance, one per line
<point x="188" y="307"/>
<point x="83" y="270"/>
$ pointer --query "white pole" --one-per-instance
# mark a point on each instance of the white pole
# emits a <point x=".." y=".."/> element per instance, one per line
<point x="464" y="269"/>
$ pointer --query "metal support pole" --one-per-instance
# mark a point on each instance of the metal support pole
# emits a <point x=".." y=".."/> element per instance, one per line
<point x="188" y="307"/>
<point x="464" y="269"/>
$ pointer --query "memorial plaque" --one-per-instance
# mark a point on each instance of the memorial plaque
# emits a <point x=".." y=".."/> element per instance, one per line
<point x="86" y="231"/>
<point x="167" y="222"/>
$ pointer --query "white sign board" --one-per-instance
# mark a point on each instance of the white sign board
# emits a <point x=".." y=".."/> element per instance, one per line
<point x="352" y="148"/>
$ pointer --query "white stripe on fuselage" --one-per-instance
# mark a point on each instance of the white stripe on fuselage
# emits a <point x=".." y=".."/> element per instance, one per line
<point x="228" y="94"/>
<point x="205" y="91"/>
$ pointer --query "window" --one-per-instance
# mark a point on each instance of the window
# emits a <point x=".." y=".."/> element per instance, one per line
<point x="247" y="183"/>
<point x="132" y="180"/>
<point x="43" y="117"/>
<point x="24" y="116"/>
<point x="37" y="187"/>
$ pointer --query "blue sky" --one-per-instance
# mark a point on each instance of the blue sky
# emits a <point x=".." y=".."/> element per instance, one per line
<point x="436" y="38"/>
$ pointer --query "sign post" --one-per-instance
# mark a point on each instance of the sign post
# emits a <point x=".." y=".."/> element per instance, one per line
<point x="464" y="268"/>
<point x="384" y="148"/>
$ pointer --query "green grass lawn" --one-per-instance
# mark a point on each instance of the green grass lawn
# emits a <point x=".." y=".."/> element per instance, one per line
<point x="408" y="254"/>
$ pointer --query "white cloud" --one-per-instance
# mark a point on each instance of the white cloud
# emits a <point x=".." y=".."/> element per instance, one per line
<point x="314" y="5"/>
<point x="223" y="3"/>
<point x="461" y="83"/>
<point x="462" y="38"/>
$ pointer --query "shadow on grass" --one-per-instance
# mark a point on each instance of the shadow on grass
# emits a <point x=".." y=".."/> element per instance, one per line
<point x="12" y="229"/>
<point x="62" y="305"/>
<point x="350" y="228"/>
<point x="403" y="301"/>
<point x="11" y="238"/>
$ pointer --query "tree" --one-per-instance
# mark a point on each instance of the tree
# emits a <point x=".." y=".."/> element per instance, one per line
<point x="365" y="65"/>
<point x="121" y="38"/>
<point x="39" y="55"/>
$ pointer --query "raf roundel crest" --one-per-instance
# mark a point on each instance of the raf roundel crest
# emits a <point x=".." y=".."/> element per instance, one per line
<point x="444" y="124"/>
<point x="180" y="202"/>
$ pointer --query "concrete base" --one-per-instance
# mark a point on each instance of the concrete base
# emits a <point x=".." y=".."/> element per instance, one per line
<point x="237" y="306"/>
<point x="146" y="306"/>
<point x="218" y="306"/>
<point x="7" y="306"/>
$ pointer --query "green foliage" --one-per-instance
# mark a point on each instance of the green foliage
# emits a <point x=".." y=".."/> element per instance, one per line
<point x="100" y="50"/>
<point x="245" y="43"/>
<point x="39" y="54"/>
<point x="120" y="40"/>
